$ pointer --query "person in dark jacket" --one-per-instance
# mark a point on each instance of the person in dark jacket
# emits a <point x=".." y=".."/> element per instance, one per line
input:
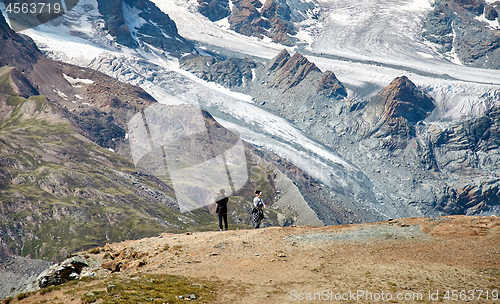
<point x="221" y="202"/>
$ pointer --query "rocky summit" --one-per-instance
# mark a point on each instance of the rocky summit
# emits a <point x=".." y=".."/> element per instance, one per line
<point x="397" y="108"/>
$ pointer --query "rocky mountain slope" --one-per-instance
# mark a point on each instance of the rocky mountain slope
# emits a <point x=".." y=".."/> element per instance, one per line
<point x="140" y="22"/>
<point x="467" y="30"/>
<point x="272" y="19"/>
<point x="410" y="260"/>
<point x="407" y="162"/>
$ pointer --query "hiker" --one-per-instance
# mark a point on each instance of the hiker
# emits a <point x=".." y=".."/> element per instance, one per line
<point x="257" y="212"/>
<point x="221" y="202"/>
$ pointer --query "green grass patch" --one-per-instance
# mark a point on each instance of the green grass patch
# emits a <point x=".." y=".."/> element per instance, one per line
<point x="151" y="289"/>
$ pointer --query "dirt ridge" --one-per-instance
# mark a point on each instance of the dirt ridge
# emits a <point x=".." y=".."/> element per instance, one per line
<point x="416" y="256"/>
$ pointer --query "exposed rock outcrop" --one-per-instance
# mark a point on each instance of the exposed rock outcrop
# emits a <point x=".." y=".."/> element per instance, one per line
<point x="330" y="86"/>
<point x="214" y="10"/>
<point x="402" y="98"/>
<point x="157" y="29"/>
<point x="397" y="108"/>
<point x="251" y="18"/>
<point x="490" y="13"/>
<point x="453" y="25"/>
<point x="474" y="6"/>
<point x="287" y="72"/>
<point x="230" y="73"/>
<point x="68" y="270"/>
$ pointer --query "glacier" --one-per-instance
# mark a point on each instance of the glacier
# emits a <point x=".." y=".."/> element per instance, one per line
<point x="366" y="45"/>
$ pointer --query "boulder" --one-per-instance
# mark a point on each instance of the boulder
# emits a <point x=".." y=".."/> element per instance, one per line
<point x="490" y="13"/>
<point x="68" y="270"/>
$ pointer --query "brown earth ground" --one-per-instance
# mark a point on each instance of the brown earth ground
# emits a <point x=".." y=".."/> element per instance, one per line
<point x="408" y="259"/>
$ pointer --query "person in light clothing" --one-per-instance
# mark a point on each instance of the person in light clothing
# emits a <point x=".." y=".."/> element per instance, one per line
<point x="257" y="212"/>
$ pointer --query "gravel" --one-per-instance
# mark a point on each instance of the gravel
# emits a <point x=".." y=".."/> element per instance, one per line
<point x="365" y="234"/>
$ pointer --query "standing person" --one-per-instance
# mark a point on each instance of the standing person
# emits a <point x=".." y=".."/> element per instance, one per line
<point x="221" y="202"/>
<point x="257" y="212"/>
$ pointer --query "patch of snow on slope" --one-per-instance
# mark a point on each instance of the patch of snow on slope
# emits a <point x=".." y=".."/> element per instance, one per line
<point x="59" y="38"/>
<point x="492" y="24"/>
<point x="132" y="19"/>
<point x="194" y="26"/>
<point x="65" y="47"/>
<point x="74" y="81"/>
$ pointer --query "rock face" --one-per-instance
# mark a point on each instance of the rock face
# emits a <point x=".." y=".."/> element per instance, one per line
<point x="229" y="73"/>
<point x="330" y="86"/>
<point x="490" y="13"/>
<point x="157" y="29"/>
<point x="287" y="72"/>
<point x="252" y="18"/>
<point x="453" y="25"/>
<point x="402" y="99"/>
<point x="214" y="10"/>
<point x="16" y="50"/>
<point x="397" y="108"/>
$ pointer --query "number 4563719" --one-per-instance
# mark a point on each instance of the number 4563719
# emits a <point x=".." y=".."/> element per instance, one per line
<point x="33" y="8"/>
<point x="469" y="295"/>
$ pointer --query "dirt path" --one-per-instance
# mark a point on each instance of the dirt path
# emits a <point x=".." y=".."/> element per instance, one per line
<point x="402" y="261"/>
